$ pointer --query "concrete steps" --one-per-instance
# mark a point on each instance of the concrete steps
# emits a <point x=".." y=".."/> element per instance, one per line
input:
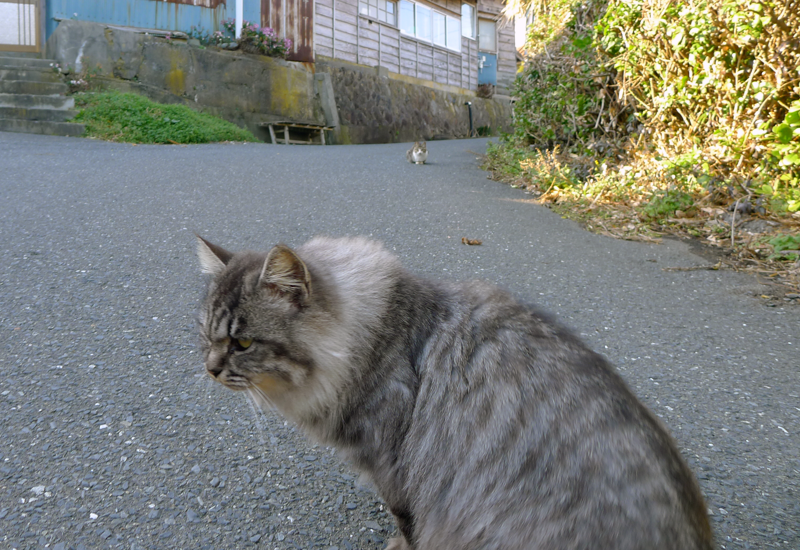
<point x="33" y="98"/>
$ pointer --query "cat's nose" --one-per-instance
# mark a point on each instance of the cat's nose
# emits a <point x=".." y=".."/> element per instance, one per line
<point x="215" y="369"/>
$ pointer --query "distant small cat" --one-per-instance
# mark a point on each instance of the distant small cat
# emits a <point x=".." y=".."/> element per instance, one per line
<point x="482" y="423"/>
<point x="418" y="154"/>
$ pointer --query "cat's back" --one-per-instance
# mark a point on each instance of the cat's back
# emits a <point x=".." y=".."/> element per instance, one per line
<point x="546" y="446"/>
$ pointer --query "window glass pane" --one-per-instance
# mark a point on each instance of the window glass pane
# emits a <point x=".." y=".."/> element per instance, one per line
<point x="406" y="13"/>
<point x="363" y="8"/>
<point x="373" y="12"/>
<point x="486" y="36"/>
<point x="453" y="33"/>
<point x="390" y="14"/>
<point x="423" y="23"/>
<point x="468" y="20"/>
<point x="439" y="30"/>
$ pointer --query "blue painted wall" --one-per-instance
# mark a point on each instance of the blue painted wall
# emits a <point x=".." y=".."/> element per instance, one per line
<point x="148" y="14"/>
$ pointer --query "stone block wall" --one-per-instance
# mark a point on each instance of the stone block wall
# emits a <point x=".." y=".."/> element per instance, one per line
<point x="373" y="106"/>
<point x="379" y="107"/>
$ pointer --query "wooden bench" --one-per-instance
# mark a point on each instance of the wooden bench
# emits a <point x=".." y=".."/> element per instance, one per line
<point x="297" y="133"/>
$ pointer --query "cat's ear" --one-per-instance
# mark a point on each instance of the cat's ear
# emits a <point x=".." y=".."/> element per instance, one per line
<point x="213" y="258"/>
<point x="286" y="273"/>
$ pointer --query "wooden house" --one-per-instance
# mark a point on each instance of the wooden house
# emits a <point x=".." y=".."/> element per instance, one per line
<point x="461" y="43"/>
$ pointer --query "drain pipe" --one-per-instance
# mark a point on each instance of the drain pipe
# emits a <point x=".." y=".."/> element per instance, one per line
<point x="471" y="128"/>
<point x="239" y="18"/>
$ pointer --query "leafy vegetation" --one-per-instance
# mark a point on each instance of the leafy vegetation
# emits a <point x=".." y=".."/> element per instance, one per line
<point x="131" y="118"/>
<point x="663" y="116"/>
<point x="253" y="39"/>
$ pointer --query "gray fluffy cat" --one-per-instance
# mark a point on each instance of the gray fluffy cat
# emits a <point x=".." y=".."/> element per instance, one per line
<point x="482" y="423"/>
<point x="418" y="153"/>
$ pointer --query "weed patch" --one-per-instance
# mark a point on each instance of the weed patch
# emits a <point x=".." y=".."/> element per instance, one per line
<point x="114" y="116"/>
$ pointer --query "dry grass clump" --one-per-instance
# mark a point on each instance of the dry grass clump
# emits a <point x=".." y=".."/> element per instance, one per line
<point x="715" y="79"/>
<point x="665" y="116"/>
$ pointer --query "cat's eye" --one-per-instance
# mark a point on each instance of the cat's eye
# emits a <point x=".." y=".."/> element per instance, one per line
<point x="244" y="343"/>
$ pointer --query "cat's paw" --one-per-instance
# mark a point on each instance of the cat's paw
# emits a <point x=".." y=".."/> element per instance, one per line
<point x="398" y="543"/>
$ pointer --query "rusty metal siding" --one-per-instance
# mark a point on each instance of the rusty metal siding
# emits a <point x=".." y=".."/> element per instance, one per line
<point x="293" y="19"/>
<point x="303" y="24"/>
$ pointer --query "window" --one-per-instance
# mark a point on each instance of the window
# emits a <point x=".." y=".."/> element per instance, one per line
<point x="382" y="10"/>
<point x="453" y="33"/>
<point x="407" y="18"/>
<point x="423" y="16"/>
<point x="487" y="41"/>
<point x="430" y="25"/>
<point x="439" y="29"/>
<point x="468" y="21"/>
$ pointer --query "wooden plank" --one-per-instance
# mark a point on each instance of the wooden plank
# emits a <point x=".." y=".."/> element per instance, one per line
<point x="345" y="47"/>
<point x="348" y="7"/>
<point x="408" y="62"/>
<point x="407" y="46"/>
<point x="368" y="57"/>
<point x="324" y="32"/>
<point x="368" y="33"/>
<point x="390" y="66"/>
<point x="345" y="38"/>
<point x="390" y="42"/>
<point x="367" y="45"/>
<point x="346" y="56"/>
<point x="345" y="27"/>
<point x="325" y="50"/>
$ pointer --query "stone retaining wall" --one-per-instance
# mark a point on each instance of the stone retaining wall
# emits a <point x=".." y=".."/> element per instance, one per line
<point x="379" y="107"/>
<point x="367" y="105"/>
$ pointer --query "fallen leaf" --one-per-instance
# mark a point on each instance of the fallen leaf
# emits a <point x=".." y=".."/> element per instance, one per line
<point x="473" y="242"/>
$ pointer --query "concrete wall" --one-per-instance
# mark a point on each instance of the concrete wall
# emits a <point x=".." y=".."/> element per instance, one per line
<point x="245" y="89"/>
<point x="367" y="105"/>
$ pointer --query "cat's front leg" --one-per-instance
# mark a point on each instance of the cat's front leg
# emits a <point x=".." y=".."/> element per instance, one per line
<point x="405" y="524"/>
<point x="398" y="543"/>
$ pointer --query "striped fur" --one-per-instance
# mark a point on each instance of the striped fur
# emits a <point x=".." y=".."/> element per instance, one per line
<point x="482" y="423"/>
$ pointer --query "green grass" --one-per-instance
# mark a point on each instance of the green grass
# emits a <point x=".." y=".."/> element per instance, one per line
<point x="115" y="116"/>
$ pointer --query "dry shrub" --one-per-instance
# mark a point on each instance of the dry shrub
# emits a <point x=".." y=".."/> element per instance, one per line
<point x="562" y="96"/>
<point x="701" y="95"/>
<point x="709" y="77"/>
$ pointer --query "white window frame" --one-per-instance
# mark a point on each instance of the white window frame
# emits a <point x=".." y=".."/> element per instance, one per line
<point x="419" y="11"/>
<point x="469" y="30"/>
<point x="384" y="11"/>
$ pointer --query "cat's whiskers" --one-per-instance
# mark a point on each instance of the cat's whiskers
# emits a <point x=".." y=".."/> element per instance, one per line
<point x="258" y="400"/>
<point x="252" y="400"/>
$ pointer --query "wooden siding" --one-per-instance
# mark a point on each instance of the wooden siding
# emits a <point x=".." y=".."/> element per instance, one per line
<point x="341" y="33"/>
<point x="469" y="65"/>
<point x="506" y="56"/>
<point x="323" y="27"/>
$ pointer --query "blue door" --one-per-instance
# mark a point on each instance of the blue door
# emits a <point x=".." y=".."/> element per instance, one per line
<point x="487" y="68"/>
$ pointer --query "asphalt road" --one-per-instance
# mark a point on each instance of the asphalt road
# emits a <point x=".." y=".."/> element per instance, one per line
<point x="112" y="437"/>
